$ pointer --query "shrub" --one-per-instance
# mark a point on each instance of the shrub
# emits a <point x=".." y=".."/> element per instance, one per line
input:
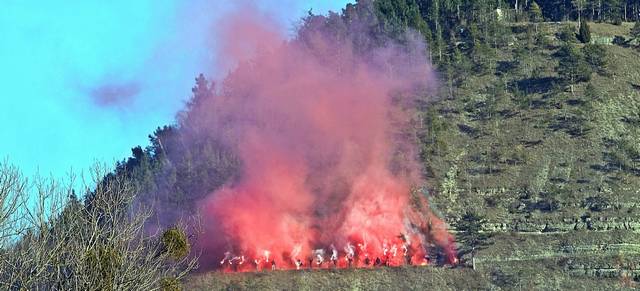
<point x="567" y="33"/>
<point x="170" y="284"/>
<point x="572" y="67"/>
<point x="584" y="33"/>
<point x="596" y="203"/>
<point x="617" y="21"/>
<point x="635" y="31"/>
<point x="619" y="40"/>
<point x="103" y="262"/>
<point x="596" y="56"/>
<point x="176" y="243"/>
<point x="502" y="279"/>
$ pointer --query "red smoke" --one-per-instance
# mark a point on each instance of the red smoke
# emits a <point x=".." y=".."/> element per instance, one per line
<point x="323" y="131"/>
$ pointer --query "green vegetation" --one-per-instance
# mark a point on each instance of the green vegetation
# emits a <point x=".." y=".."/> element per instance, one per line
<point x="176" y="243"/>
<point x="104" y="262"/>
<point x="535" y="12"/>
<point x="406" y="278"/>
<point x="584" y="33"/>
<point x="531" y="154"/>
<point x="170" y="284"/>
<point x="572" y="67"/>
<point x="471" y="235"/>
<point x="635" y="31"/>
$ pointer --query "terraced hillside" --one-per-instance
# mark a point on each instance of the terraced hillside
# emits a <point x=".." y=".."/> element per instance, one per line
<point x="551" y="165"/>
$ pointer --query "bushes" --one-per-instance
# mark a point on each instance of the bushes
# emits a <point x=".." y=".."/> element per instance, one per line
<point x="596" y="56"/>
<point x="584" y="33"/>
<point x="572" y="67"/>
<point x="175" y="243"/>
<point x="619" y="40"/>
<point x="103" y="262"/>
<point x="596" y="203"/>
<point x="170" y="284"/>
<point x="635" y="31"/>
<point x="567" y="33"/>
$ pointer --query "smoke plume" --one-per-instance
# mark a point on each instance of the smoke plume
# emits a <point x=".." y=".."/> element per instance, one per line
<point x="322" y="124"/>
<point x="115" y="94"/>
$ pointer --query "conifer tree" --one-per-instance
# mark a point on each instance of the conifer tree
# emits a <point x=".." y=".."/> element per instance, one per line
<point x="572" y="67"/>
<point x="584" y="33"/>
<point x="635" y="31"/>
<point x="470" y="233"/>
<point x="536" y="12"/>
<point x="596" y="56"/>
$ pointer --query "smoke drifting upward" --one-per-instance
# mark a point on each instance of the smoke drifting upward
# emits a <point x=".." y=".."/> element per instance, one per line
<point x="114" y="94"/>
<point x="322" y="125"/>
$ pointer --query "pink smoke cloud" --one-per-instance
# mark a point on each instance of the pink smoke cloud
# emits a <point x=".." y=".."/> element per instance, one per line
<point x="321" y="127"/>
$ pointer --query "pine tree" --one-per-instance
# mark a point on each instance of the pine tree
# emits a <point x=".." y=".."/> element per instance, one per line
<point x="398" y="15"/>
<point x="635" y="31"/>
<point x="470" y="234"/>
<point x="596" y="56"/>
<point x="579" y="5"/>
<point x="584" y="34"/>
<point x="572" y="67"/>
<point x="535" y="12"/>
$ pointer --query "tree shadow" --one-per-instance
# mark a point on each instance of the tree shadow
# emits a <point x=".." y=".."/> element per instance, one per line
<point x="537" y="84"/>
<point x="504" y="67"/>
<point x="468" y="130"/>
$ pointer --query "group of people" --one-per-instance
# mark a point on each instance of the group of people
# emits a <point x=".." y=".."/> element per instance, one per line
<point x="334" y="263"/>
<point x="391" y="256"/>
<point x="236" y="263"/>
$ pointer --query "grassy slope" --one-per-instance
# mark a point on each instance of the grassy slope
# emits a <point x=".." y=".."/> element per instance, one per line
<point x="415" y="278"/>
<point x="507" y="141"/>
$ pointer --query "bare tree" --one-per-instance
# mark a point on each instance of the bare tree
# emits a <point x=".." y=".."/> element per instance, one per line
<point x="12" y="187"/>
<point x="68" y="245"/>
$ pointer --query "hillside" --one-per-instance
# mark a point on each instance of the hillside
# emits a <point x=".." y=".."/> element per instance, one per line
<point x="406" y="278"/>
<point x="500" y="146"/>
<point x="554" y="172"/>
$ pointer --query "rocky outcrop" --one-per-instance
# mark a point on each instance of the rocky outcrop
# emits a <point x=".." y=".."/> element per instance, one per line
<point x="566" y="225"/>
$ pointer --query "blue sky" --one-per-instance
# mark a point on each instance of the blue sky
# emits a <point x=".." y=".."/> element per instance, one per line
<point x="84" y="81"/>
